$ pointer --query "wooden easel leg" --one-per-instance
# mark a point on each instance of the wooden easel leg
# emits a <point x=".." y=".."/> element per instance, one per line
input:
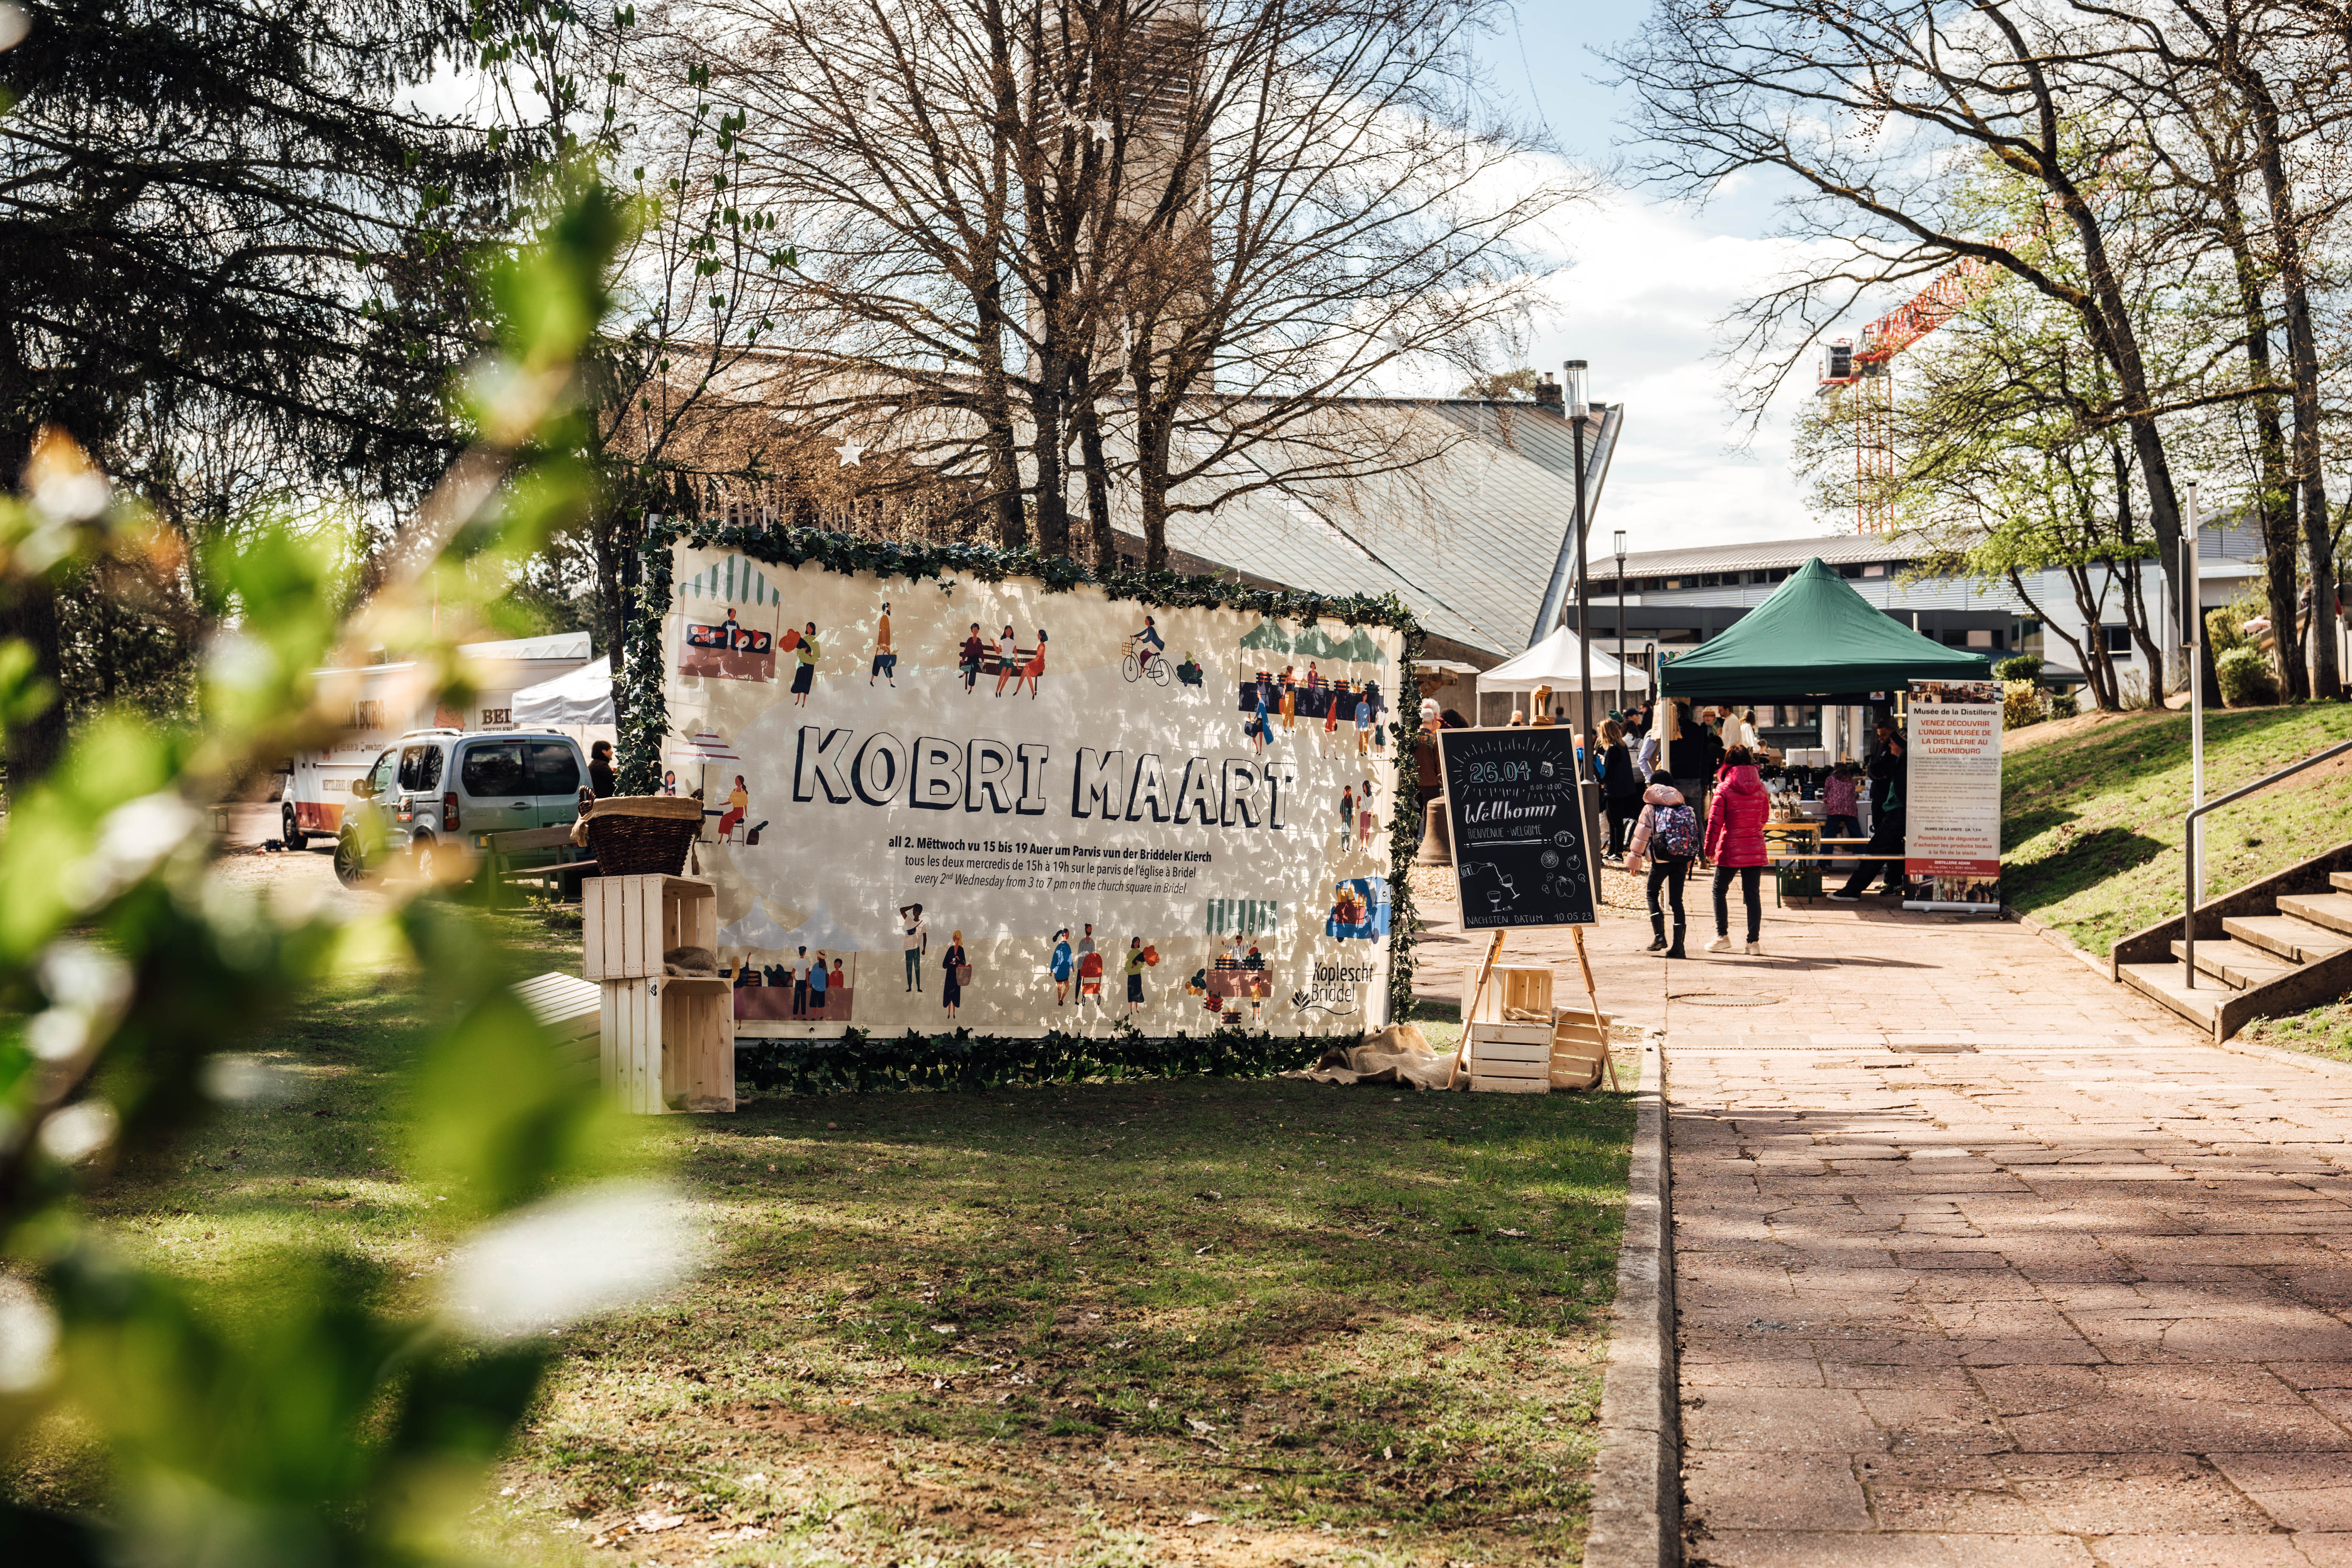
<point x="1493" y="952"/>
<point x="1608" y="1060"/>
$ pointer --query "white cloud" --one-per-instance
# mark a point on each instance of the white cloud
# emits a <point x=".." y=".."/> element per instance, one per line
<point x="1643" y="301"/>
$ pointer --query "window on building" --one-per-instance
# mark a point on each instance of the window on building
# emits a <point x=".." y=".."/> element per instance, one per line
<point x="1849" y="571"/>
<point x="1876" y="569"/>
<point x="1672" y="583"/>
<point x="1981" y="639"/>
<point x="2117" y="639"/>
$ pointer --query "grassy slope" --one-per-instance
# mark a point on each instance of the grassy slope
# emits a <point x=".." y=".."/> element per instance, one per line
<point x="1300" y="1318"/>
<point x="2091" y="822"/>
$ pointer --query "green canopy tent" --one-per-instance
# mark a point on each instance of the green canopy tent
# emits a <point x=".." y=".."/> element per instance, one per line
<point x="1815" y="636"/>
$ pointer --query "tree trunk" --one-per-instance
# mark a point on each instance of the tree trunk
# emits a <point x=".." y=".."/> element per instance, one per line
<point x="1102" y="547"/>
<point x="2276" y="503"/>
<point x="2303" y="364"/>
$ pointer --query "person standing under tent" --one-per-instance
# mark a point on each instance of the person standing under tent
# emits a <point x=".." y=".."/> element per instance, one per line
<point x="1735" y="844"/>
<point x="1328" y="737"/>
<point x="1887" y="798"/>
<point x="1363" y="723"/>
<point x="1289" y="698"/>
<point x="801" y="984"/>
<point x="817" y="981"/>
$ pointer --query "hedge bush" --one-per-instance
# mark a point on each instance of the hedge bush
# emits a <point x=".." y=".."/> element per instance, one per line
<point x="2247" y="679"/>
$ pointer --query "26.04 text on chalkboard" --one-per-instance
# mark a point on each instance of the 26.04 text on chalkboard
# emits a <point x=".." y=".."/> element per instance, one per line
<point x="1519" y="836"/>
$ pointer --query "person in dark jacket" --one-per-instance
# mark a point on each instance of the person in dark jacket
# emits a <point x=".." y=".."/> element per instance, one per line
<point x="1621" y="787"/>
<point x="1886" y="797"/>
<point x="1694" y="753"/>
<point x="600" y="770"/>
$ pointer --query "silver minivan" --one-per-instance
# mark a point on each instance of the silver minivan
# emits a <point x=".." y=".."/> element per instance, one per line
<point x="437" y="794"/>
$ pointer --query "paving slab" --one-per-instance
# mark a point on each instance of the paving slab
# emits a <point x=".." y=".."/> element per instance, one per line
<point x="1984" y="1261"/>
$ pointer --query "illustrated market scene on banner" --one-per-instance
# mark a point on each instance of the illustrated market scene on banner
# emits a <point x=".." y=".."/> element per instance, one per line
<point x="1058" y="783"/>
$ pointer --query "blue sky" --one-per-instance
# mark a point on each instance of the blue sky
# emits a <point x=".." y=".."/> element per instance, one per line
<point x="1649" y="280"/>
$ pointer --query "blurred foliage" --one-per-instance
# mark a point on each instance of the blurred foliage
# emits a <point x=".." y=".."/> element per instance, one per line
<point x="318" y="1427"/>
<point x="2021" y="704"/>
<point x="2017" y="666"/>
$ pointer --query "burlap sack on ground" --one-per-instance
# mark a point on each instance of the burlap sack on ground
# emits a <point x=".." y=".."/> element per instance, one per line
<point x="1397" y="1055"/>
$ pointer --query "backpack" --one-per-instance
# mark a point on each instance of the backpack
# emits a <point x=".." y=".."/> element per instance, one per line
<point x="1673" y="830"/>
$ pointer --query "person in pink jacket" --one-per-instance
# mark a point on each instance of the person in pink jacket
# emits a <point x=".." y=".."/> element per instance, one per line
<point x="1735" y="843"/>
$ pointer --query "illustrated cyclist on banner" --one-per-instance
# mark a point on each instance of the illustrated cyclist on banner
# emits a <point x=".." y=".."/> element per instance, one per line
<point x="1149" y="643"/>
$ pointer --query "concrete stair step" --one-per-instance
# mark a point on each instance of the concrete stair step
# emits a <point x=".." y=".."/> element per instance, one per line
<point x="2287" y="936"/>
<point x="2235" y="963"/>
<point x="2333" y="910"/>
<point x="2165" y="984"/>
<point x="2340" y="880"/>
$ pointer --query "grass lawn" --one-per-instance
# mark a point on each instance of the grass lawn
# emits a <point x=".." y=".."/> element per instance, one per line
<point x="1244" y="1322"/>
<point x="2091" y="821"/>
<point x="2323" y="1031"/>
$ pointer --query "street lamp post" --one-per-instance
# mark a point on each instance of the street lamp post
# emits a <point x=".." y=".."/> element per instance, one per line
<point x="2192" y="617"/>
<point x="1578" y="412"/>
<point x="1621" y="620"/>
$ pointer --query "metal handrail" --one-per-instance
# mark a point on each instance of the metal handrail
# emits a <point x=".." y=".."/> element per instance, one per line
<point x="2188" y="846"/>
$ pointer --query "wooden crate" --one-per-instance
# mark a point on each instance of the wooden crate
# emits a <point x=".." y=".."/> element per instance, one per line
<point x="570" y="1009"/>
<point x="1521" y="988"/>
<point x="1504" y="1056"/>
<point x="628" y="922"/>
<point x="668" y="1043"/>
<point x="1579" y="1048"/>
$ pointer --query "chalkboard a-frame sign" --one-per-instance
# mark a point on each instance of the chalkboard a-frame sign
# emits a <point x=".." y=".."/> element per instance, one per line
<point x="1519" y="836"/>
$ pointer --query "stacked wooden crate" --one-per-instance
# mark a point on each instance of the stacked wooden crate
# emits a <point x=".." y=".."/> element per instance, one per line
<point x="1516" y="1042"/>
<point x="1506" y="1030"/>
<point x="665" y="1042"/>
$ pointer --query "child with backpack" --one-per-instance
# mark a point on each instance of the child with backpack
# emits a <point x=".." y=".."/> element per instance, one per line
<point x="1666" y="835"/>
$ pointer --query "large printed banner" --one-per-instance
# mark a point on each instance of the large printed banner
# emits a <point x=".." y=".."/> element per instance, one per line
<point x="1010" y="809"/>
<point x="1952" y="791"/>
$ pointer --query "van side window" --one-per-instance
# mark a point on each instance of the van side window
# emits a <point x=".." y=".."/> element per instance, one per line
<point x="553" y="768"/>
<point x="379" y="779"/>
<point x="429" y="779"/>
<point x="412" y="766"/>
<point x="493" y="768"/>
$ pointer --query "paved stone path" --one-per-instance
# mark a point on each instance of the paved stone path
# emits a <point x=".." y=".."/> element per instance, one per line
<point x="1982" y="1260"/>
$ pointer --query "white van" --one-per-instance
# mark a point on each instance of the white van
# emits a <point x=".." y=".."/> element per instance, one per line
<point x="437" y="793"/>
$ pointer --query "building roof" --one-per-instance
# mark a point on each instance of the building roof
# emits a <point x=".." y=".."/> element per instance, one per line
<point x="1761" y="555"/>
<point x="1467" y="539"/>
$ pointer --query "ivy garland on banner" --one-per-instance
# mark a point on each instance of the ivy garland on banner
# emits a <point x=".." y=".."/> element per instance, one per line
<point x="963" y="1059"/>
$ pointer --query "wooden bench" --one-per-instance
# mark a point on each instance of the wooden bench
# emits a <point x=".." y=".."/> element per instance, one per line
<point x="499" y="847"/>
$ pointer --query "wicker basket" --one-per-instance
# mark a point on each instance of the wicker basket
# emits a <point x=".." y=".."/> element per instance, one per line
<point x="638" y="835"/>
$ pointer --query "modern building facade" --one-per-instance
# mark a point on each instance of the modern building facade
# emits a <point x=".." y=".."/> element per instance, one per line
<point x="1680" y="598"/>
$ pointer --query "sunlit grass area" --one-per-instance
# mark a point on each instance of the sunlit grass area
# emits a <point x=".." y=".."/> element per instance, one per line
<point x="1263" y="1321"/>
<point x="2091" y="823"/>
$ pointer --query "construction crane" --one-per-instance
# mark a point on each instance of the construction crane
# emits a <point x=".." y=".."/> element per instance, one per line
<point x="1869" y="370"/>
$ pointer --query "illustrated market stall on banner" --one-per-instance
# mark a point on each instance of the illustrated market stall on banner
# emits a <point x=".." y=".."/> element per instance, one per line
<point x="939" y="795"/>
<point x="1817" y="659"/>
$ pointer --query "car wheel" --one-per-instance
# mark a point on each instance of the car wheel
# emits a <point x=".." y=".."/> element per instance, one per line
<point x="291" y="836"/>
<point x="426" y="857"/>
<point x="350" y="867"/>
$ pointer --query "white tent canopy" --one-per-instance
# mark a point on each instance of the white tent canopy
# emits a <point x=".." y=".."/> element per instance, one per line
<point x="1554" y="662"/>
<point x="581" y="696"/>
